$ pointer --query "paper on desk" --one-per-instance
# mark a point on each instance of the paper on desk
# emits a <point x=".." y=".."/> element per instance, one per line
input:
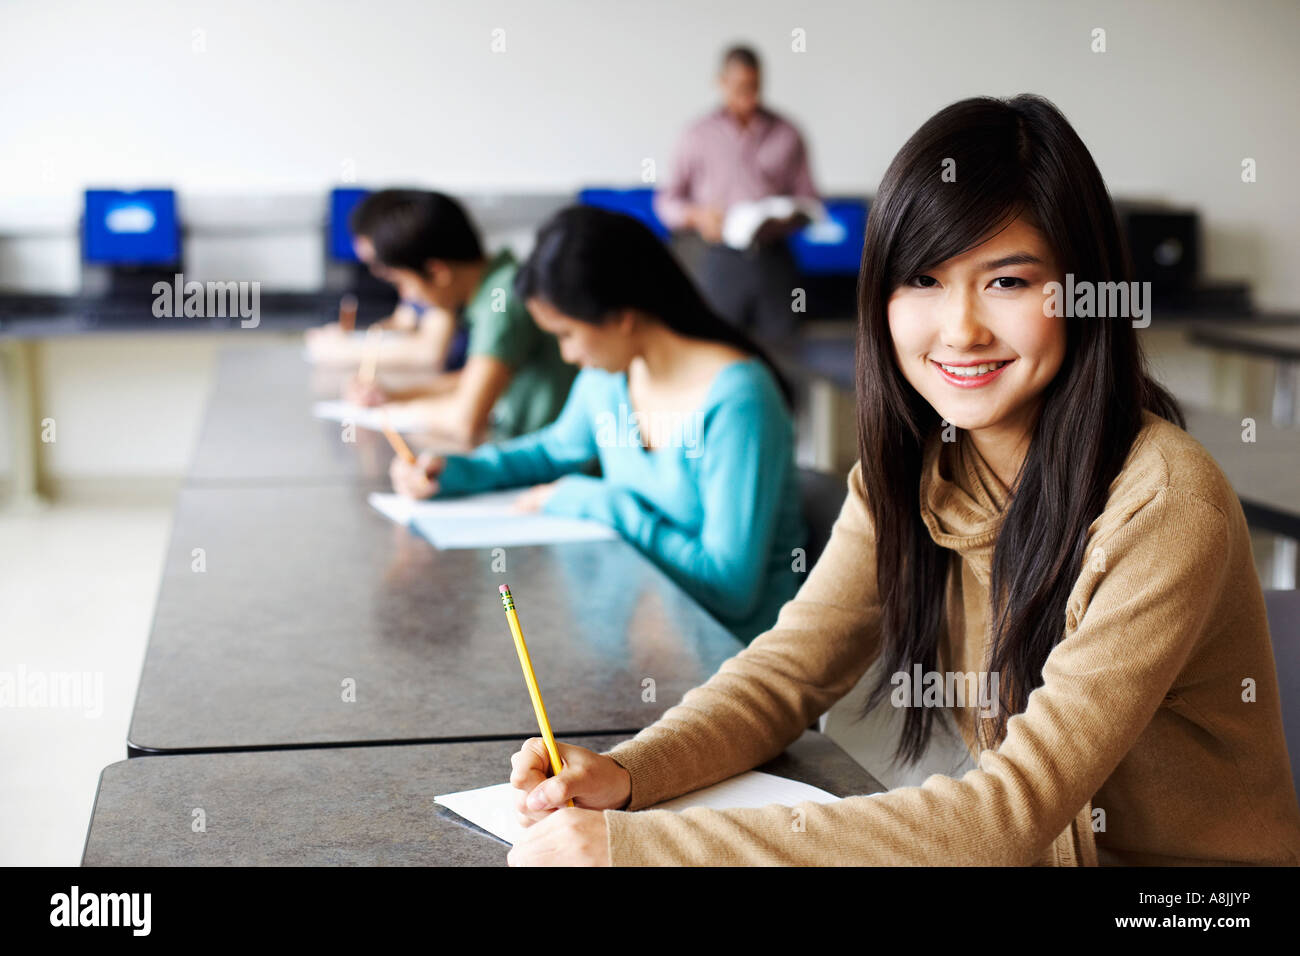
<point x="401" y="418"/>
<point x="485" y="521"/>
<point x="399" y="508"/>
<point x="743" y="219"/>
<point x="492" y="808"/>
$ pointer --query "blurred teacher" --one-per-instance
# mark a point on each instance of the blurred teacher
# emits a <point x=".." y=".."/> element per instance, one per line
<point x="739" y="153"/>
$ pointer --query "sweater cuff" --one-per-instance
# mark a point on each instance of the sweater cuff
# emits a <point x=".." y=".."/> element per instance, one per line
<point x="459" y="475"/>
<point x="620" y="839"/>
<point x="650" y="773"/>
<point x="657" y="838"/>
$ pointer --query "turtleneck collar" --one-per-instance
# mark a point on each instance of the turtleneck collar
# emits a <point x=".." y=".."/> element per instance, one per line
<point x="963" y="501"/>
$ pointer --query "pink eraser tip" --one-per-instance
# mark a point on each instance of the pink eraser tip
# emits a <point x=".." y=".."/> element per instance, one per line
<point x="503" y="589"/>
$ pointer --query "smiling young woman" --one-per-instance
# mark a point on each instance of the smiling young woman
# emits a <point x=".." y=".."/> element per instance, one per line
<point x="1027" y="506"/>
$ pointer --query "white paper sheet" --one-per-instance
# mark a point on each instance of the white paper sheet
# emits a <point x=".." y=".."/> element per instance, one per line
<point x="491" y="504"/>
<point x="485" y="521"/>
<point x="402" y="419"/>
<point x="517" y="530"/>
<point x="492" y="808"/>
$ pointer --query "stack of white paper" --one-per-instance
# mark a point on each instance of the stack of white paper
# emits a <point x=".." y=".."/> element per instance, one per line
<point x="493" y="809"/>
<point x="485" y="521"/>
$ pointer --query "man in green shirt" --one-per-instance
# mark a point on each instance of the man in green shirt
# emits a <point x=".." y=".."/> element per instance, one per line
<point x="514" y="379"/>
<point x="501" y="327"/>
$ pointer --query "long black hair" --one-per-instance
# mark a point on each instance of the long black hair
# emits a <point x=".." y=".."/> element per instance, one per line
<point x="1013" y="157"/>
<point x="589" y="263"/>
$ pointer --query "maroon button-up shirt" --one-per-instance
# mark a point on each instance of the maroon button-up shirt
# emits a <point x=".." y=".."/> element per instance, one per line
<point x="719" y="163"/>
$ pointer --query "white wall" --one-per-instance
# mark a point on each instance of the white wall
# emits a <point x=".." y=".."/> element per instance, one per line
<point x="296" y="96"/>
<point x="290" y="98"/>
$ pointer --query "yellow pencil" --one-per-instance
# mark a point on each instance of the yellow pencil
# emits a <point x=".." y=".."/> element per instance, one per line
<point x="396" y="440"/>
<point x="530" y="678"/>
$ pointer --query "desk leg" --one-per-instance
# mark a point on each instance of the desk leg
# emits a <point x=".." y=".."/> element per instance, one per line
<point x="1284" y="392"/>
<point x="1286" y="555"/>
<point x="821" y="400"/>
<point x="19" y="357"/>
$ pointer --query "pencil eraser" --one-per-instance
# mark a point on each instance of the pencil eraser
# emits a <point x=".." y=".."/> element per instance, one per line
<point x="503" y="589"/>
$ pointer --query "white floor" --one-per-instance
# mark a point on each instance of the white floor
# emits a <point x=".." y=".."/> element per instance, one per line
<point x="77" y="591"/>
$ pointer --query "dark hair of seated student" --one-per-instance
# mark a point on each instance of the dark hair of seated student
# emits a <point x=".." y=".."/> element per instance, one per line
<point x="408" y="227"/>
<point x="1013" y="157"/>
<point x="590" y="263"/>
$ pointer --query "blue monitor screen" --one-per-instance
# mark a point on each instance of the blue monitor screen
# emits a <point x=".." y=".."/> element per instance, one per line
<point x="131" y="228"/>
<point x="342" y="202"/>
<point x="637" y="203"/>
<point x="833" y="247"/>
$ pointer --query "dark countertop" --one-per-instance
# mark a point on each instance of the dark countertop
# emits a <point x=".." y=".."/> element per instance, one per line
<point x="829" y="359"/>
<point x="308" y="586"/>
<point x="258" y="427"/>
<point x="1272" y="338"/>
<point x="354" y="806"/>
<point x="26" y="316"/>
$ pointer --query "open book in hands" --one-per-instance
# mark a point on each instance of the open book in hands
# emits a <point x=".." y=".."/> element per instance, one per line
<point x="745" y="219"/>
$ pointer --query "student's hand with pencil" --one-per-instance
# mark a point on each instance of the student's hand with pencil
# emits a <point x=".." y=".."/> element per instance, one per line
<point x="569" y="837"/>
<point x="559" y="835"/>
<point x="416" y="479"/>
<point x="591" y="780"/>
<point x="358" y="391"/>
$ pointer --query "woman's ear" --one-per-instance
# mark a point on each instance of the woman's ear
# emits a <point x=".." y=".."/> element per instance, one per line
<point x="627" y="321"/>
<point x="439" y="273"/>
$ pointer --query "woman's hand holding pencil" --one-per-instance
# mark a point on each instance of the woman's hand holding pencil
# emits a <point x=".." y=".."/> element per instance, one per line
<point x="591" y="780"/>
<point x="360" y="391"/>
<point x="559" y="834"/>
<point x="418" y="478"/>
<point x="580" y="786"/>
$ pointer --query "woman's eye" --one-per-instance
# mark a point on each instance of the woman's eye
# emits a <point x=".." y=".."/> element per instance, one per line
<point x="922" y="282"/>
<point x="1012" y="282"/>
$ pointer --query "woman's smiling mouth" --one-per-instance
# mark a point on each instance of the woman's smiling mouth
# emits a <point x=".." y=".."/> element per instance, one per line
<point x="971" y="374"/>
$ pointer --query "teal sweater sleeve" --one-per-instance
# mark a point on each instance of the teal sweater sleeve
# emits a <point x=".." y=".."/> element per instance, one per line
<point x="561" y="447"/>
<point x="724" y="566"/>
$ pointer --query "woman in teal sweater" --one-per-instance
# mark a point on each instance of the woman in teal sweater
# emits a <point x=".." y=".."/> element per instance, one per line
<point x="687" y="417"/>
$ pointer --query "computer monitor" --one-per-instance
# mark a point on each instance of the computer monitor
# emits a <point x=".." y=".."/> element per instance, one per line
<point x="139" y="228"/>
<point x="342" y="202"/>
<point x="637" y="203"/>
<point x="833" y="247"/>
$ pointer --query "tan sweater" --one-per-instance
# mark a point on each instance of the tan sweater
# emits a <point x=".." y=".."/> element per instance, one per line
<point x="1141" y="714"/>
